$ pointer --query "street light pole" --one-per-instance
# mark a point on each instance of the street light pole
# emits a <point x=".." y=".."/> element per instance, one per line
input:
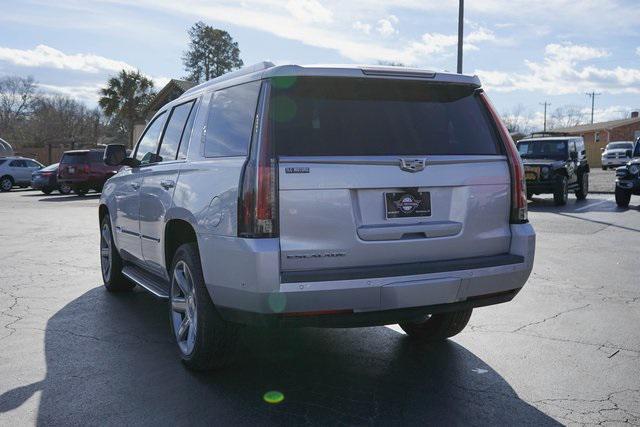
<point x="460" y="34"/>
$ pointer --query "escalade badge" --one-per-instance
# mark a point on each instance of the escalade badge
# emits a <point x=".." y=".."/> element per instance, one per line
<point x="412" y="165"/>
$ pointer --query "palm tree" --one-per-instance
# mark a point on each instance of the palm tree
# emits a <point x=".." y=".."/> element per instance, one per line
<point x="126" y="97"/>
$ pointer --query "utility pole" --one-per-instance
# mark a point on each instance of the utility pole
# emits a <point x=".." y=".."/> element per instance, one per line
<point x="593" y="95"/>
<point x="460" y="34"/>
<point x="546" y="104"/>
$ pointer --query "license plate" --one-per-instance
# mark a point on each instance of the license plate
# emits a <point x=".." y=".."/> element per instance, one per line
<point x="530" y="176"/>
<point x="407" y="204"/>
<point x="71" y="169"/>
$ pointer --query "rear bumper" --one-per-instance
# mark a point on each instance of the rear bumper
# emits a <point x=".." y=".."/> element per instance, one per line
<point x="361" y="296"/>
<point x="541" y="186"/>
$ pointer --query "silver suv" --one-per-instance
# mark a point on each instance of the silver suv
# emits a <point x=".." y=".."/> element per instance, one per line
<point x="17" y="171"/>
<point x="319" y="196"/>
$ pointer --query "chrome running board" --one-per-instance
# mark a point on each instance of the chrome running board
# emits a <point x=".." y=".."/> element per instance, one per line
<point x="155" y="285"/>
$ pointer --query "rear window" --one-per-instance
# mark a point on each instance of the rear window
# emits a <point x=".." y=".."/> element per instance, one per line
<point x="320" y="116"/>
<point x="50" y="168"/>
<point x="74" y="158"/>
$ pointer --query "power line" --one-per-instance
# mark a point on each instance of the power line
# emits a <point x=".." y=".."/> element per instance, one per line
<point x="546" y="104"/>
<point x="593" y="95"/>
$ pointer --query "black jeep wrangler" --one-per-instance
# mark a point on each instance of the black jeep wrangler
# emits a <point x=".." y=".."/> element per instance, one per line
<point x="628" y="178"/>
<point x="557" y="165"/>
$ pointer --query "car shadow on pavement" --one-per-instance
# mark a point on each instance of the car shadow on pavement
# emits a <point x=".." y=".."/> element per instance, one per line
<point x="111" y="359"/>
<point x="70" y="198"/>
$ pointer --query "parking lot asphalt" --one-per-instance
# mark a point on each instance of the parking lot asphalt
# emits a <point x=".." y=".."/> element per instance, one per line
<point x="566" y="350"/>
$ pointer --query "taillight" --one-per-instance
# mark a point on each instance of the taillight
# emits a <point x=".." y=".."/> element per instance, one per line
<point x="85" y="169"/>
<point x="258" y="197"/>
<point x="518" y="213"/>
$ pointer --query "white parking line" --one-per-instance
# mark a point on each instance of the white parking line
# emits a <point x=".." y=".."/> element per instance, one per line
<point x="592" y="205"/>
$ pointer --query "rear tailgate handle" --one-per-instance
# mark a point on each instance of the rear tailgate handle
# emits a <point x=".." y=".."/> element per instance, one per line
<point x="409" y="231"/>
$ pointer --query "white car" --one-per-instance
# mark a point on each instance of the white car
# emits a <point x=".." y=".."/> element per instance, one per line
<point x="17" y="171"/>
<point x="616" y="154"/>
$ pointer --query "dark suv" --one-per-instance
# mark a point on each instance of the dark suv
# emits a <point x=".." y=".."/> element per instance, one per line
<point x="628" y="178"/>
<point x="84" y="170"/>
<point x="555" y="165"/>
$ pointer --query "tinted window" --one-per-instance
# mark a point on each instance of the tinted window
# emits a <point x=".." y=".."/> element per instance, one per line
<point x="18" y="164"/>
<point x="74" y="158"/>
<point x="96" y="156"/>
<point x="353" y="117"/>
<point x="52" y="167"/>
<point x="2" y="161"/>
<point x="33" y="164"/>
<point x="148" y="145"/>
<point x="230" y="122"/>
<point x="173" y="132"/>
<point x="184" y="142"/>
<point x="544" y="149"/>
<point x="620" y="145"/>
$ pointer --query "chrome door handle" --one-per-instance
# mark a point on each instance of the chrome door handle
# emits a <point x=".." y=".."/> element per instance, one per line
<point x="135" y="185"/>
<point x="167" y="184"/>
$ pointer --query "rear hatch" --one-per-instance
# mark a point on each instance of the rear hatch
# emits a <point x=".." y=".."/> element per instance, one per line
<point x="74" y="165"/>
<point x="386" y="171"/>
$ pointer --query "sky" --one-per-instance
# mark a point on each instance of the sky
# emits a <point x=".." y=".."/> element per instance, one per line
<point x="525" y="52"/>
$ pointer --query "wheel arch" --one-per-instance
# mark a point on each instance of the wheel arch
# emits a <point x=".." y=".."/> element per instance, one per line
<point x="8" y="176"/>
<point x="103" y="211"/>
<point x="177" y="232"/>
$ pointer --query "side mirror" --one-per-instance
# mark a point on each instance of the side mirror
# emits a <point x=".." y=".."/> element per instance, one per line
<point x="573" y="155"/>
<point x="602" y="149"/>
<point x="116" y="155"/>
<point x="628" y="153"/>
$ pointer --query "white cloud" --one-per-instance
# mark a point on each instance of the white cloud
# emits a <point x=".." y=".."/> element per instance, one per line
<point x="309" y="11"/>
<point x="561" y="72"/>
<point x="638" y="51"/>
<point x="84" y="93"/>
<point x="360" y="26"/>
<point x="48" y="57"/>
<point x="385" y="26"/>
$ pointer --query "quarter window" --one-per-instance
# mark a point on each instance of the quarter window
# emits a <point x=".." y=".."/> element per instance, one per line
<point x="230" y="121"/>
<point x="148" y="145"/>
<point x="174" y="131"/>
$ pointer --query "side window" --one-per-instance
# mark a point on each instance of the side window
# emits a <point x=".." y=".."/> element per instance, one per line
<point x="148" y="145"/>
<point x="96" y="156"/>
<point x="18" y="164"/>
<point x="32" y="164"/>
<point x="184" y="141"/>
<point x="173" y="133"/>
<point x="230" y="122"/>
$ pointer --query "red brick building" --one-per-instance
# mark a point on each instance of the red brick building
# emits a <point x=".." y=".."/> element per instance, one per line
<point x="598" y="135"/>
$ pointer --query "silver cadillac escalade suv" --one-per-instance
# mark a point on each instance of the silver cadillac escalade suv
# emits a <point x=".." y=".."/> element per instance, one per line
<point x="329" y="196"/>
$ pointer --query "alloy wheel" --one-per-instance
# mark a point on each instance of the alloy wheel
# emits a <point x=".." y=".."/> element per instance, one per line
<point x="6" y="184"/>
<point x="105" y="252"/>
<point x="184" y="313"/>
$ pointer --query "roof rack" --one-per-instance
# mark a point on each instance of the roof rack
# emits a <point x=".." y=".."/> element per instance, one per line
<point x="232" y="75"/>
<point x="551" y="133"/>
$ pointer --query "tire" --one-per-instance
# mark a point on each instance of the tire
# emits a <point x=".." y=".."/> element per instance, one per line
<point x="205" y="341"/>
<point x="80" y="191"/>
<point x="604" y="168"/>
<point x="561" y="191"/>
<point x="623" y="197"/>
<point x="64" y="189"/>
<point x="529" y="195"/>
<point x="583" y="186"/>
<point x="438" y="327"/>
<point x="47" y="191"/>
<point x="110" y="261"/>
<point x="6" y="183"/>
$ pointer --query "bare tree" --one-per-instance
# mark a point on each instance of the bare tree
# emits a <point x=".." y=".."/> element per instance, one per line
<point x="566" y="116"/>
<point x="17" y="96"/>
<point x="518" y="120"/>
